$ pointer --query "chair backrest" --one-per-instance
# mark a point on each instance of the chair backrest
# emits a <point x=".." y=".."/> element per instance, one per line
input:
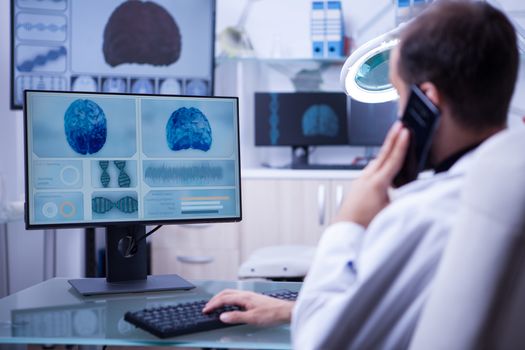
<point x="478" y="295"/>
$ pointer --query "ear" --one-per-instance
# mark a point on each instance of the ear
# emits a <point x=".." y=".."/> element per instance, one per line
<point x="432" y="92"/>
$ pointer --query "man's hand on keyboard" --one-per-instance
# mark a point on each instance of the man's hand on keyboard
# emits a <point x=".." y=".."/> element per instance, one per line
<point x="259" y="309"/>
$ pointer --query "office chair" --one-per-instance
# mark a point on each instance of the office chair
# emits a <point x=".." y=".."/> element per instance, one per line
<point x="477" y="300"/>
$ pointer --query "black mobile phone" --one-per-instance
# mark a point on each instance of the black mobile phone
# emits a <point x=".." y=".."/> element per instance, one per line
<point x="421" y="118"/>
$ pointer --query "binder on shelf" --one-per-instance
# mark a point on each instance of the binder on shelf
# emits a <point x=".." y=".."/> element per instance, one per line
<point x="327" y="29"/>
<point x="334" y="29"/>
<point x="317" y="25"/>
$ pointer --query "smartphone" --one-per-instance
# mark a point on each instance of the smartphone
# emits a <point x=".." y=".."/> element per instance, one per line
<point x="421" y="118"/>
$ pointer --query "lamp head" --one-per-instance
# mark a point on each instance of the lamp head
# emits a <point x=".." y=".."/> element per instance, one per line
<point x="365" y="74"/>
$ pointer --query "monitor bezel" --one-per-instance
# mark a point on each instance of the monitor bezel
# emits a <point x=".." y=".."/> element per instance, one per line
<point x="33" y="226"/>
<point x="14" y="106"/>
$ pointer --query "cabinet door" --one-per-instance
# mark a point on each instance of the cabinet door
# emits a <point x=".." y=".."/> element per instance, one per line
<point x="197" y="251"/>
<point x="283" y="212"/>
<point x="197" y="263"/>
<point x="339" y="189"/>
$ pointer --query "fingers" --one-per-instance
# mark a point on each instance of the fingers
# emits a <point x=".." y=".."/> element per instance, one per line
<point x="393" y="163"/>
<point x="226" y="297"/>
<point x="237" y="317"/>
<point x="386" y="149"/>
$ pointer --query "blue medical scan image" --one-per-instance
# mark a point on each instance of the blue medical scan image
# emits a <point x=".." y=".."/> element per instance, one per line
<point x="321" y="120"/>
<point x="188" y="128"/>
<point x="157" y="41"/>
<point x="85" y="126"/>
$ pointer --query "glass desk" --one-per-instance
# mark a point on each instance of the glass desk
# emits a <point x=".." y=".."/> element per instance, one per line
<point x="53" y="313"/>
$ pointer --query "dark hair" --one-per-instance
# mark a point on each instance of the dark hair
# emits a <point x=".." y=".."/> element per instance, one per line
<point x="468" y="49"/>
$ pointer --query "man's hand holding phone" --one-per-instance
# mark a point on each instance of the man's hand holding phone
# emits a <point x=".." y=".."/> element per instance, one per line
<point x="369" y="193"/>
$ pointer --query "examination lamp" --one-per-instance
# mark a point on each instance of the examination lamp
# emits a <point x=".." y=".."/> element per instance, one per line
<point x="364" y="75"/>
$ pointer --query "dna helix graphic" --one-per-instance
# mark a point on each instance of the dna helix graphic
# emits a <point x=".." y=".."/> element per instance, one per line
<point x="102" y="205"/>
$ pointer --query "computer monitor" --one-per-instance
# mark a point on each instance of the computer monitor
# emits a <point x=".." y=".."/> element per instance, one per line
<point x="158" y="47"/>
<point x="300" y="120"/>
<point x="368" y="123"/>
<point x="124" y="161"/>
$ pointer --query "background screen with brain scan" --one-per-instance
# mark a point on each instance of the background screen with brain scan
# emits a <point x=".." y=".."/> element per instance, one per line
<point x="300" y="119"/>
<point x="95" y="158"/>
<point x="153" y="47"/>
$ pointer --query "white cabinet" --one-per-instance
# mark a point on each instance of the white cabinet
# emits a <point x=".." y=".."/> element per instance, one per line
<point x="287" y="211"/>
<point x="199" y="251"/>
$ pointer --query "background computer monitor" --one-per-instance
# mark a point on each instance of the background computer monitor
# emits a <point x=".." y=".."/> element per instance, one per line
<point x="124" y="161"/>
<point x="368" y="123"/>
<point x="300" y="120"/>
<point x="158" y="47"/>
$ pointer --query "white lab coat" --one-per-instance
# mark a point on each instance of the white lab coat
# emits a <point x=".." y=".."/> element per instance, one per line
<point x="365" y="288"/>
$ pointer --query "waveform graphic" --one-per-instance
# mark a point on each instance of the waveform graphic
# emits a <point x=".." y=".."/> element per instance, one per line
<point x="42" y="27"/>
<point x="102" y="205"/>
<point x="42" y="59"/>
<point x="202" y="174"/>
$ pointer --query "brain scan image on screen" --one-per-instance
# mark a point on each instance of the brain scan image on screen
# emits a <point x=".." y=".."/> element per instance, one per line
<point x="142" y="86"/>
<point x="85" y="126"/>
<point x="156" y="41"/>
<point x="188" y="128"/>
<point x="114" y="85"/>
<point x="170" y="86"/>
<point x="320" y="120"/>
<point x="84" y="83"/>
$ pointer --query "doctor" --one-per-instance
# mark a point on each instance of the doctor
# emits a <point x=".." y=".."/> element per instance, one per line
<point x="374" y="265"/>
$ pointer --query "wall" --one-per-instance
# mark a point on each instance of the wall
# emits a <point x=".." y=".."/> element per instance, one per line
<point x="29" y="256"/>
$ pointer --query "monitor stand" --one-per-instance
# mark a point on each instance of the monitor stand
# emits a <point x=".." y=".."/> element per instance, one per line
<point x="300" y="157"/>
<point x="126" y="268"/>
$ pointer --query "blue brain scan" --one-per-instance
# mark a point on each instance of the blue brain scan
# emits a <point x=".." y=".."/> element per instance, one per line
<point x="142" y="86"/>
<point x="114" y="85"/>
<point x="85" y="126"/>
<point x="320" y="120"/>
<point x="188" y="128"/>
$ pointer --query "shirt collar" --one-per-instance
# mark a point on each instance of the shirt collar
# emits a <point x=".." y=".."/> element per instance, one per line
<point x="446" y="164"/>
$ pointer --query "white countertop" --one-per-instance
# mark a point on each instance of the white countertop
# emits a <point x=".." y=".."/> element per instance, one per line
<point x="267" y="173"/>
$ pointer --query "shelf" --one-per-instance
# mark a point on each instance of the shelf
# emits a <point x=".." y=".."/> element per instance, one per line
<point x="270" y="60"/>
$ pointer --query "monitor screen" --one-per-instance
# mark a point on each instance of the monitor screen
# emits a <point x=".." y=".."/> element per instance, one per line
<point x="300" y="119"/>
<point x="94" y="159"/>
<point x="154" y="47"/>
<point x="368" y="123"/>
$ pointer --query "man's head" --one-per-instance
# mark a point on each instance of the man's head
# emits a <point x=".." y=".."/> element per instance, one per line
<point x="464" y="55"/>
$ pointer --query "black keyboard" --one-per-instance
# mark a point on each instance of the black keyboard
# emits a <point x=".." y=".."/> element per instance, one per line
<point x="178" y="319"/>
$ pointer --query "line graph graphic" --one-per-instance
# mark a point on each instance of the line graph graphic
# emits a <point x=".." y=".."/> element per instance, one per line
<point x="40" y="60"/>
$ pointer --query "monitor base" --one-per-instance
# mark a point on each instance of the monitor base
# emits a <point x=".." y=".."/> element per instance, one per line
<point x="153" y="283"/>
